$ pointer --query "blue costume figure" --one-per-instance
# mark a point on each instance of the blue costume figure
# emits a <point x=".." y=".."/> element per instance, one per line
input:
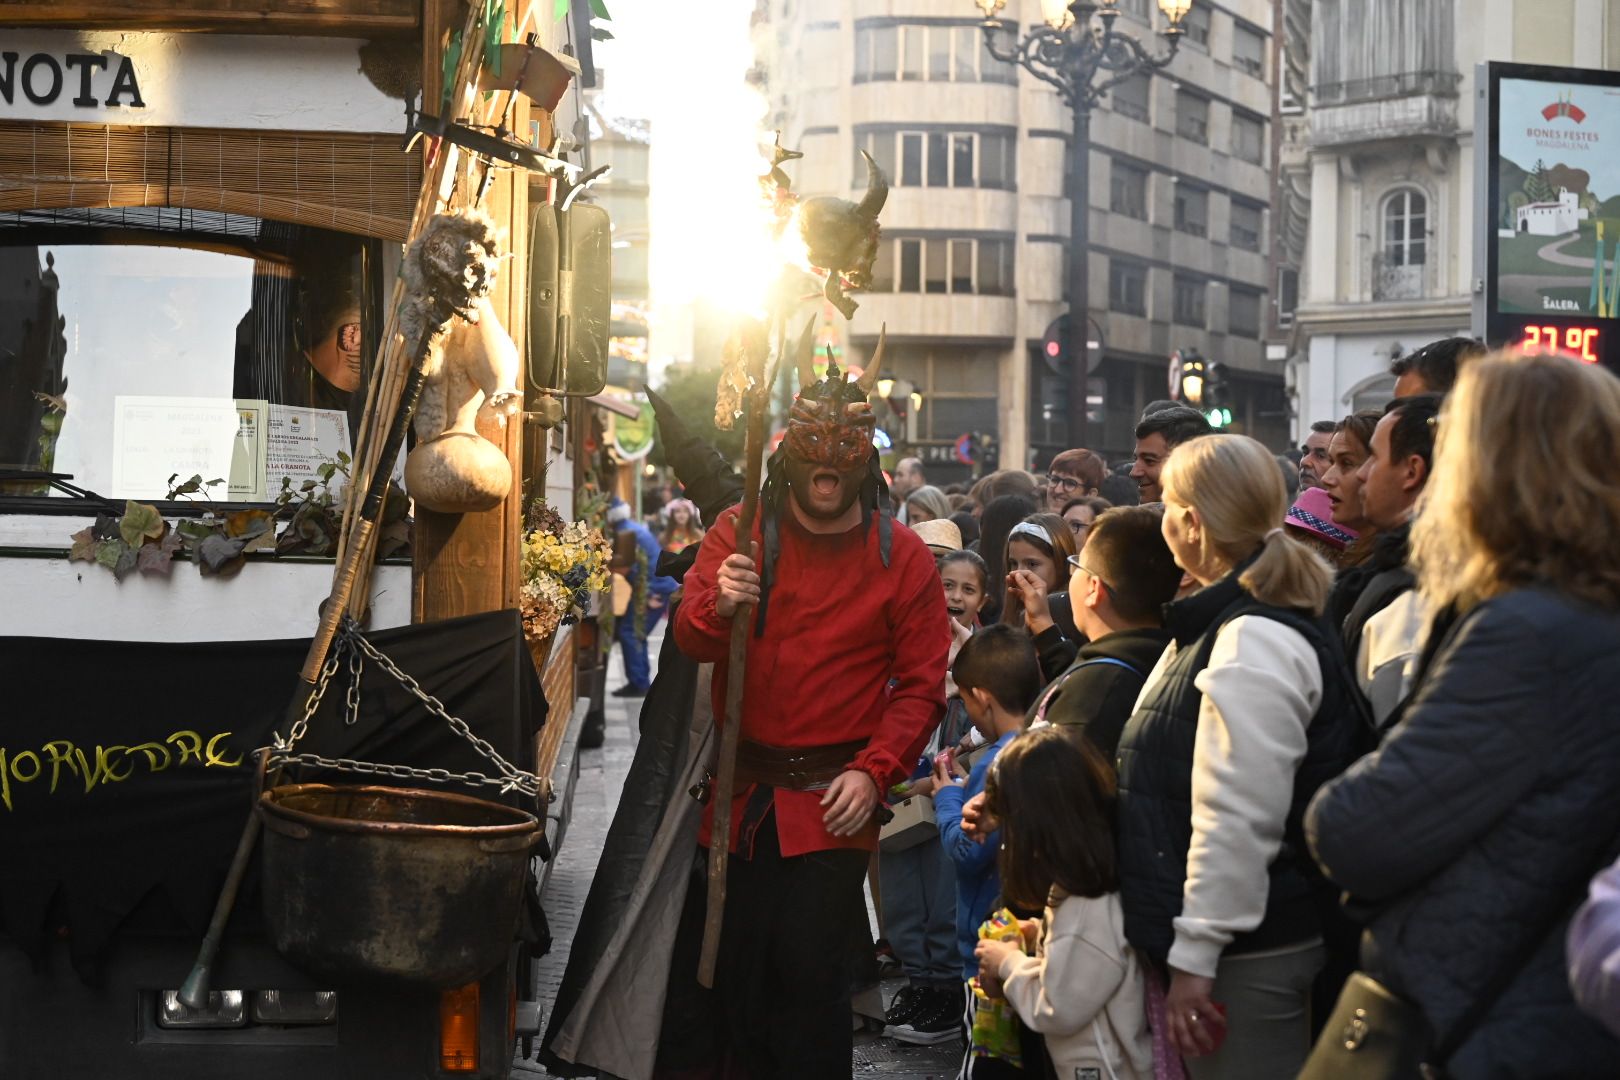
<point x="635" y="555"/>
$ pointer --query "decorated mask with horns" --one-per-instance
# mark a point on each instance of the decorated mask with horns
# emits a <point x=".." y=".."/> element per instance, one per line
<point x="832" y="421"/>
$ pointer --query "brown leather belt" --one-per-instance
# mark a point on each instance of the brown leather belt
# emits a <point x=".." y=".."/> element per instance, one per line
<point x="798" y="768"/>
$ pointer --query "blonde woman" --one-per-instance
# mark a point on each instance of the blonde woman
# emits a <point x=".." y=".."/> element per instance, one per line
<point x="1249" y="710"/>
<point x="1471" y="833"/>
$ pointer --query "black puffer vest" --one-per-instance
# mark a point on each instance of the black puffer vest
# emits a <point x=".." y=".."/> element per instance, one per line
<point x="1155" y="779"/>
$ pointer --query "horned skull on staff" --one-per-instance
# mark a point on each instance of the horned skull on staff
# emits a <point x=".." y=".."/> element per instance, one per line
<point x="842" y="236"/>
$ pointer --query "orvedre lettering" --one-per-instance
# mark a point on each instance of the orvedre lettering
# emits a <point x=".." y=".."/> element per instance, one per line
<point x="101" y="765"/>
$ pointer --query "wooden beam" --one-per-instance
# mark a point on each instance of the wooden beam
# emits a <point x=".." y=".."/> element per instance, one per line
<point x="338" y="18"/>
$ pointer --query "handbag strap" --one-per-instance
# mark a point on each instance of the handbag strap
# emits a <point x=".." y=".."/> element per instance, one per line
<point x="1504" y="974"/>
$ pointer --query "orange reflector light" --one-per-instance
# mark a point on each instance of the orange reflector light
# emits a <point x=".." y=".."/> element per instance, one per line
<point x="458" y="1029"/>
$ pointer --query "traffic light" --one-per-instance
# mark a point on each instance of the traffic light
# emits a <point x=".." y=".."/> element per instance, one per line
<point x="1217" y="397"/>
<point x="1055" y="344"/>
<point x="1188" y="378"/>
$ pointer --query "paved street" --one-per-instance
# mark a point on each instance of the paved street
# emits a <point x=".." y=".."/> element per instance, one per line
<point x="601" y="778"/>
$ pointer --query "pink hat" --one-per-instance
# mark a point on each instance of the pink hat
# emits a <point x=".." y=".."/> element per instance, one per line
<point x="1312" y="512"/>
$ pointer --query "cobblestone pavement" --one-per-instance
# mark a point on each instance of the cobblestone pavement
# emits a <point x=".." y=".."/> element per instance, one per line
<point x="596" y="796"/>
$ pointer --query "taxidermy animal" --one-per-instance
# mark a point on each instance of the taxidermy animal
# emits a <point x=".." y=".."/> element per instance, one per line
<point x="842" y="237"/>
<point x="472" y="366"/>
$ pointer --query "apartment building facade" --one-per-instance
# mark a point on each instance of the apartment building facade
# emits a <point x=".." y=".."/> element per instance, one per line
<point x="975" y="235"/>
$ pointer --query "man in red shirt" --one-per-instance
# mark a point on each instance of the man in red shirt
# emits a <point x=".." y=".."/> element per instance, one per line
<point x="845" y="681"/>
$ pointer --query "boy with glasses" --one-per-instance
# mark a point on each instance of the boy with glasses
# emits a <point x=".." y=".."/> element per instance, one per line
<point x="1073" y="473"/>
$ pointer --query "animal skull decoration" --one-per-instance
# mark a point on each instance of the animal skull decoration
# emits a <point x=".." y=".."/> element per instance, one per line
<point x="842" y="237"/>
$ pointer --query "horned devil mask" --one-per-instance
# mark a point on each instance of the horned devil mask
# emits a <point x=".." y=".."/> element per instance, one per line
<point x="829" y="430"/>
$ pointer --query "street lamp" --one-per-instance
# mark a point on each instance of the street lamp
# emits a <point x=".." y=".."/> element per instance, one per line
<point x="1079" y="52"/>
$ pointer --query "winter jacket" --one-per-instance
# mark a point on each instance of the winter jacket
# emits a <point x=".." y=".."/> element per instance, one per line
<point x="1097" y="693"/>
<point x="1478" y="823"/>
<point x="1057" y="644"/>
<point x="1083" y="991"/>
<point x="1251" y="707"/>
<point x="978" y="883"/>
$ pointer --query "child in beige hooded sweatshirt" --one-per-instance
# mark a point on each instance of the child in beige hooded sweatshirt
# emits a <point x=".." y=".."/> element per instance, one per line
<point x="1053" y="793"/>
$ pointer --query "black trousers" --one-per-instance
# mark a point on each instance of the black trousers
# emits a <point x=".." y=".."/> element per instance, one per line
<point x="780" y="1007"/>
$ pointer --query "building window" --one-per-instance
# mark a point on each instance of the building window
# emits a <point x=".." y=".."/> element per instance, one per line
<point x="1406" y="228"/>
<point x="1127" y="287"/>
<point x="944" y="264"/>
<point x="1127" y="190"/>
<point x="919" y="52"/>
<point x="1187" y="301"/>
<point x="1245" y="232"/>
<point x="1197" y="26"/>
<point x="1287" y="295"/>
<point x="1137" y="9"/>
<point x="1249" y="51"/>
<point x="1248" y="138"/>
<point x="1131" y="98"/>
<point x="1192" y="116"/>
<point x="1243" y="317"/>
<point x="1192" y="210"/>
<point x="962" y="159"/>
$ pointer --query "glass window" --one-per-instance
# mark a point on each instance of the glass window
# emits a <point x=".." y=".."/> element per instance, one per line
<point x="996" y="161"/>
<point x="883" y="268"/>
<point x="911" y="53"/>
<point x="1287" y="294"/>
<point x="1248" y="138"/>
<point x="880" y="144"/>
<point x="1127" y="287"/>
<point x="996" y="268"/>
<point x="1245" y="226"/>
<point x="1131" y="98"/>
<point x="863" y="53"/>
<point x="1135" y="8"/>
<point x="939" y="162"/>
<point x="1192" y="210"/>
<point x="1192" y="116"/>
<point x="939" y="54"/>
<point x="1196" y="24"/>
<point x="1187" y="301"/>
<point x="911" y="266"/>
<point x="952" y="417"/>
<point x="934" y="257"/>
<point x="1127" y="190"/>
<point x="999" y="71"/>
<point x="962" y="161"/>
<point x="911" y="164"/>
<point x="1406" y="228"/>
<point x="885" y="42"/>
<point x="961" y="266"/>
<point x="114" y="339"/>
<point x="966" y="46"/>
<point x="1249" y="51"/>
<point x="1244" y="316"/>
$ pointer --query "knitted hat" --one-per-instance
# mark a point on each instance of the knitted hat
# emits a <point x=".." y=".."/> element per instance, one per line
<point x="618" y="510"/>
<point x="1312" y="512"/>
<point x="940" y="536"/>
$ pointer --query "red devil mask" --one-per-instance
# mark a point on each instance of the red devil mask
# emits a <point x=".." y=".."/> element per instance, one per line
<point x="831" y="422"/>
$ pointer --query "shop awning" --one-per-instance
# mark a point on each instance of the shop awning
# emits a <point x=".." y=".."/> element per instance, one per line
<point x="356" y="183"/>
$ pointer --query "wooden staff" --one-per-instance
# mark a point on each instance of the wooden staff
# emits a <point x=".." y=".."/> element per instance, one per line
<point x="755" y="402"/>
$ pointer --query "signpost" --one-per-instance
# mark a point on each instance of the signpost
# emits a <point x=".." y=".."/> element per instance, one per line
<point x="1547" y="181"/>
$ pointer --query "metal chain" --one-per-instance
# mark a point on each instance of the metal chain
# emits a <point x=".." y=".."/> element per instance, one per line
<point x="357" y="665"/>
<point x="350" y="638"/>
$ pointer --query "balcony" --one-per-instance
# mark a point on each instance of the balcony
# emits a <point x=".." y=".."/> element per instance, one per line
<point x="1413" y="104"/>
<point x="1396" y="281"/>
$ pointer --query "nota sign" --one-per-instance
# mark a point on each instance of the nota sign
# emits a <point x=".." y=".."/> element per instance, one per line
<point x="42" y="78"/>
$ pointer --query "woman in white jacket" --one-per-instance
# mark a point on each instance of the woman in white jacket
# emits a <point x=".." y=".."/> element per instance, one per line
<point x="1248" y="712"/>
<point x="1054" y="794"/>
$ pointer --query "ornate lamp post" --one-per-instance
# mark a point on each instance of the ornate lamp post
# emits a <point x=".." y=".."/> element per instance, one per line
<point x="1079" y="52"/>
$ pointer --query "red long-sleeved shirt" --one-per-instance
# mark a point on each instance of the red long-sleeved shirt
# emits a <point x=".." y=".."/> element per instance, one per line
<point x="840" y="626"/>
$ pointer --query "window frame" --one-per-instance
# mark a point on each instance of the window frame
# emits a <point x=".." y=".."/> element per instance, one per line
<point x="1234" y="292"/>
<point x="1183" y="221"/>
<point x="1124" y="206"/>
<point x="1141" y="112"/>
<point x="1244" y="121"/>
<point x="1126" y="272"/>
<point x="1259" y="229"/>
<point x="1183" y="284"/>
<point x="1254" y="66"/>
<point x="1184" y="119"/>
<point x="1406" y="193"/>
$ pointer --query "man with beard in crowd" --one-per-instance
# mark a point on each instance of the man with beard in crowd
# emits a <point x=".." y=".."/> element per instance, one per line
<point x="845" y="678"/>
<point x="1160" y="431"/>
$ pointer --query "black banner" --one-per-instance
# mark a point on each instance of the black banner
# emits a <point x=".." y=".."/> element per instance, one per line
<point x="126" y="768"/>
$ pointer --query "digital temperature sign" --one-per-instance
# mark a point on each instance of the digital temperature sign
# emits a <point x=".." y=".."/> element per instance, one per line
<point x="1547" y="179"/>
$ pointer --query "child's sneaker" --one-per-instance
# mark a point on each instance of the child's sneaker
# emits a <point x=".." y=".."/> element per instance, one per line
<point x="904" y="1007"/>
<point x="939" y="1020"/>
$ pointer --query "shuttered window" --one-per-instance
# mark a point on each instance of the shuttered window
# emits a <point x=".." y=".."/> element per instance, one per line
<point x="355" y="183"/>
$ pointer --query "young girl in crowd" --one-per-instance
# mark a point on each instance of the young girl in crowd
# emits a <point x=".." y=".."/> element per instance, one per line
<point x="683" y="529"/>
<point x="919" y="883"/>
<point x="1037" y="560"/>
<point x="1083" y="989"/>
<point x="999" y="679"/>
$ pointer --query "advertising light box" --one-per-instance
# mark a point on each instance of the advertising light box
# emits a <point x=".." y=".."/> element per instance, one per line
<point x="1548" y="214"/>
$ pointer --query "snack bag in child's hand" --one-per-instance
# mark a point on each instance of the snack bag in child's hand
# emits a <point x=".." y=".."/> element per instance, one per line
<point x="995" y="1024"/>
